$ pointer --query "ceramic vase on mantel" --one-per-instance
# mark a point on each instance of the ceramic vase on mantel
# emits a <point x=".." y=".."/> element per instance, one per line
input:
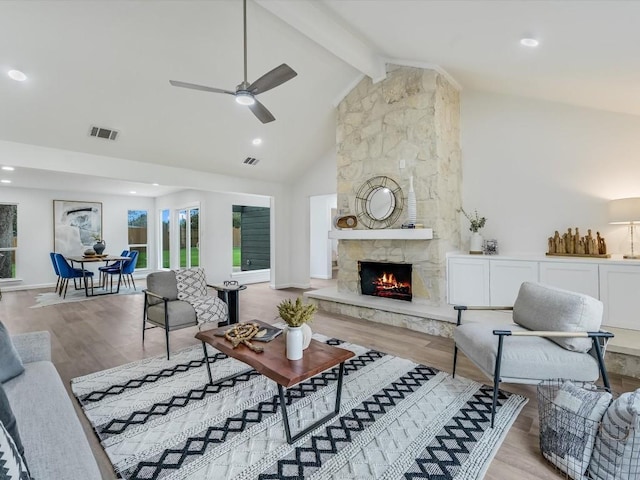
<point x="411" y="203"/>
<point x="475" y="243"/>
<point x="294" y="343"/>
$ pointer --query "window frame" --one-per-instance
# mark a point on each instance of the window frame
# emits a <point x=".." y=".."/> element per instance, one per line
<point x="138" y="245"/>
<point x="13" y="249"/>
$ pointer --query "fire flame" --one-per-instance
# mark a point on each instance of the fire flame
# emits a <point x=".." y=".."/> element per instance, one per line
<point x="389" y="281"/>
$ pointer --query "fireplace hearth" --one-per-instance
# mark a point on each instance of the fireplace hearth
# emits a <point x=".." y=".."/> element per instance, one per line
<point x="384" y="279"/>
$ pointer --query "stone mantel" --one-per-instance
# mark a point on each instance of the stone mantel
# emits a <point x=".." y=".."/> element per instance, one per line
<point x="383" y="234"/>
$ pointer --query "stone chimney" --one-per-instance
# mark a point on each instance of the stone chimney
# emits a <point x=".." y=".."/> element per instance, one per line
<point x="406" y="125"/>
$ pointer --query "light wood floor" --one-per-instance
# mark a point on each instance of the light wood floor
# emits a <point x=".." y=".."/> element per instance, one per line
<point x="94" y="335"/>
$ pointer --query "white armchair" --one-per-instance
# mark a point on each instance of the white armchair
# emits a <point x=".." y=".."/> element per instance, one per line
<point x="556" y="335"/>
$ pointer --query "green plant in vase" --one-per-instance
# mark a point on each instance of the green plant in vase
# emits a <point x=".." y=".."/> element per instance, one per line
<point x="476" y="222"/>
<point x="295" y="314"/>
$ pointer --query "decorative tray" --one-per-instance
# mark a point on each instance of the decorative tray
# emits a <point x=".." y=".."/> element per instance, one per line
<point x="269" y="334"/>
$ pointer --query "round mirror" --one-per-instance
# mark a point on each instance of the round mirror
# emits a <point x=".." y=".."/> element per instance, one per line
<point x="380" y="203"/>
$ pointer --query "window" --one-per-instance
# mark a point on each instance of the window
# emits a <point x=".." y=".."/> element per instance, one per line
<point x="251" y="238"/>
<point x="8" y="240"/>
<point x="138" y="235"/>
<point x="165" y="248"/>
<point x="189" y="237"/>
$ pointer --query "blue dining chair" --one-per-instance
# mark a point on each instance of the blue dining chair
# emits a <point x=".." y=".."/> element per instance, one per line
<point x="67" y="272"/>
<point x="55" y="269"/>
<point x="114" y="266"/>
<point x="127" y="269"/>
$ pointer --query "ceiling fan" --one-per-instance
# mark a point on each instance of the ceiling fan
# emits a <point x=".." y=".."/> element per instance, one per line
<point x="245" y="93"/>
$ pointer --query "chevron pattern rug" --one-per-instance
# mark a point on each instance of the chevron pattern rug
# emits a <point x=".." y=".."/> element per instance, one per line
<point x="159" y="419"/>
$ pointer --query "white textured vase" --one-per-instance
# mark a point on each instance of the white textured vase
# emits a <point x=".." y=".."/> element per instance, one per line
<point x="306" y="335"/>
<point x="295" y="340"/>
<point x="411" y="203"/>
<point x="475" y="243"/>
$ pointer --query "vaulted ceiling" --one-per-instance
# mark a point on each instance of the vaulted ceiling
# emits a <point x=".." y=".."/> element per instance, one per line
<point x="108" y="63"/>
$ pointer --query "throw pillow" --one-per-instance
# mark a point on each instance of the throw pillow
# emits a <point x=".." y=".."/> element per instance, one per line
<point x="615" y="454"/>
<point x="10" y="362"/>
<point x="9" y="420"/>
<point x="12" y="466"/>
<point x="192" y="282"/>
<point x="541" y="307"/>
<point x="567" y="435"/>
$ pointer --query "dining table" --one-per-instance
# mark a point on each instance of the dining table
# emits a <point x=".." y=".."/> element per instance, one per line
<point x="82" y="259"/>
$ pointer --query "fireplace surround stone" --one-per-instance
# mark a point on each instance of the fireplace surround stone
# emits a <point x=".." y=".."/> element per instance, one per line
<point x="410" y="119"/>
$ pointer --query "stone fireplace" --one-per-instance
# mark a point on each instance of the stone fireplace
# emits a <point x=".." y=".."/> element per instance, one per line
<point x="407" y="125"/>
<point x="385" y="279"/>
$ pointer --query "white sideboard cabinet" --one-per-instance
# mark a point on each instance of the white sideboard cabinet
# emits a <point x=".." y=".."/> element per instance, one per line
<point x="575" y="276"/>
<point x="495" y="281"/>
<point x="620" y="293"/>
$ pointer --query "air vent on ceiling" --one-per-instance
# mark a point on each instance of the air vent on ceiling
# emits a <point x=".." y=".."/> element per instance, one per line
<point x="251" y="161"/>
<point x="106" y="133"/>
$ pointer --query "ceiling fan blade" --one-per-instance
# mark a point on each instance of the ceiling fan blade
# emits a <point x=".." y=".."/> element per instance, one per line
<point x="272" y="79"/>
<point x="193" y="86"/>
<point x="260" y="111"/>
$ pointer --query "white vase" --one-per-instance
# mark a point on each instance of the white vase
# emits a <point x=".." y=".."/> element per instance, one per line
<point x="475" y="243"/>
<point x="411" y="203"/>
<point x="306" y="335"/>
<point x="295" y="340"/>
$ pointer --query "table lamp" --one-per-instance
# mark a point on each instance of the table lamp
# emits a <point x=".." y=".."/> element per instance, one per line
<point x="626" y="211"/>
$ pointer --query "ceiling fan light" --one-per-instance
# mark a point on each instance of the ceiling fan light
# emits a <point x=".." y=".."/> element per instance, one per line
<point x="245" y="98"/>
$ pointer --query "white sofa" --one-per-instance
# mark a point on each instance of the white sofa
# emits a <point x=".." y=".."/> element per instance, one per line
<point x="55" y="444"/>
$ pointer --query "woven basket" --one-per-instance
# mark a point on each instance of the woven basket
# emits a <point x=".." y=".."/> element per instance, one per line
<point x="619" y="440"/>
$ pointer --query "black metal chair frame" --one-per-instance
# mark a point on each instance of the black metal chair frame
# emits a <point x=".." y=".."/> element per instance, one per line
<point x="148" y="293"/>
<point x="596" y="338"/>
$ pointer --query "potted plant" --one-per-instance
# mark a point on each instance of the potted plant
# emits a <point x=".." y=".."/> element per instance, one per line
<point x="476" y="222"/>
<point x="296" y="315"/>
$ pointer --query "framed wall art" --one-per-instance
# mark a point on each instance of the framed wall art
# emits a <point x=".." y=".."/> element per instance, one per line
<point x="76" y="226"/>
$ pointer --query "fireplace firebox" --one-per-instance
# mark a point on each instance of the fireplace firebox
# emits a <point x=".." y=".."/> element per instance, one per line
<point x="384" y="279"/>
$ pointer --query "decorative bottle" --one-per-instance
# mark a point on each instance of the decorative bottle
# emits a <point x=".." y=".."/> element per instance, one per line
<point x="411" y="203"/>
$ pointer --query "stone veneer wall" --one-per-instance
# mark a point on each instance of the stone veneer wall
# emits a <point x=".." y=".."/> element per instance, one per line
<point x="412" y="115"/>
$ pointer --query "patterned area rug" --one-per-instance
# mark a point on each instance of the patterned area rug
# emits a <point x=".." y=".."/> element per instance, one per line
<point x="52" y="298"/>
<point x="398" y="419"/>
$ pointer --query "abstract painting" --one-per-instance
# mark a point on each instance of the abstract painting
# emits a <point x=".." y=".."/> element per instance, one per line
<point x="76" y="226"/>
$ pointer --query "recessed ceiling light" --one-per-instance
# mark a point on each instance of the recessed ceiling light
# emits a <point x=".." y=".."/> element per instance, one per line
<point x="133" y="192"/>
<point x="256" y="141"/>
<point x="8" y="168"/>
<point x="529" y="42"/>
<point x="17" y="75"/>
<point x="4" y="180"/>
<point x="155" y="184"/>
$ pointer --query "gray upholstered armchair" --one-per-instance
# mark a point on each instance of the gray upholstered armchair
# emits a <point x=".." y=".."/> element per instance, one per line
<point x="556" y="334"/>
<point x="177" y="299"/>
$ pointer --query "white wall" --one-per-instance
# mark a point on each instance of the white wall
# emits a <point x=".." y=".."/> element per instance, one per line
<point x="35" y="229"/>
<point x="320" y="246"/>
<point x="320" y="180"/>
<point x="44" y="158"/>
<point x="216" y="233"/>
<point x="532" y="167"/>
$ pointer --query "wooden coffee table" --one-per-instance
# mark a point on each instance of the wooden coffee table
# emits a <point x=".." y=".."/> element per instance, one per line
<point x="273" y="364"/>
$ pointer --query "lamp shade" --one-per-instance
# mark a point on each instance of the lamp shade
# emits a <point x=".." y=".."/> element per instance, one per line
<point x="624" y="210"/>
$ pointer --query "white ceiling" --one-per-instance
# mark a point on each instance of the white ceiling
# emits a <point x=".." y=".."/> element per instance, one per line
<point x="108" y="63"/>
